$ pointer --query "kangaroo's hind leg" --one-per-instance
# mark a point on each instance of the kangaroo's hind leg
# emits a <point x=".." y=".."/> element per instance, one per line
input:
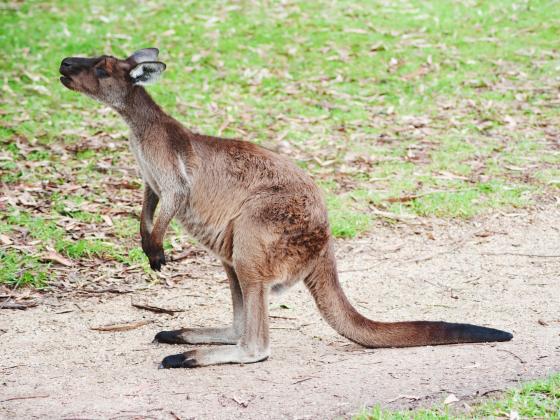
<point x="226" y="335"/>
<point x="253" y="345"/>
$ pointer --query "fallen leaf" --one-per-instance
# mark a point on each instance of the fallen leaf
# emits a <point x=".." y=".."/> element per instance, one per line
<point x="377" y="47"/>
<point x="355" y="31"/>
<point x="27" y="199"/>
<point x="56" y="258"/>
<point x="402" y="199"/>
<point x="514" y="415"/>
<point x="242" y="403"/>
<point x="451" y="398"/>
<point x="421" y="71"/>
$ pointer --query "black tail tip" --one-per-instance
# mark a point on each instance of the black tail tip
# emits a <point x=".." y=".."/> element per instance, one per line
<point x="503" y="335"/>
<point x="475" y="333"/>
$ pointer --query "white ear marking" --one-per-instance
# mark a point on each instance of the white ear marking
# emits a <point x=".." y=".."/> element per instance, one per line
<point x="136" y="72"/>
<point x="147" y="72"/>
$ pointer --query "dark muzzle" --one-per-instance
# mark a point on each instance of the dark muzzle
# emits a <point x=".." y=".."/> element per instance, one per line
<point x="73" y="65"/>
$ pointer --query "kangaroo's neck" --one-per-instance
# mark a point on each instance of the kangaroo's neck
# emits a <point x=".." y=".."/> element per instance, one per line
<point x="141" y="112"/>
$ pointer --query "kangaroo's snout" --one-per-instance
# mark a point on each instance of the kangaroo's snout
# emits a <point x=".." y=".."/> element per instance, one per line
<point x="66" y="66"/>
<point x="73" y="65"/>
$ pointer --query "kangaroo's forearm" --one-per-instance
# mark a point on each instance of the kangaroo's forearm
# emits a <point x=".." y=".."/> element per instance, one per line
<point x="153" y="242"/>
<point x="148" y="209"/>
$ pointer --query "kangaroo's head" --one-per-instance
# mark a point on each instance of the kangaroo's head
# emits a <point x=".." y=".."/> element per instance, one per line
<point x="109" y="79"/>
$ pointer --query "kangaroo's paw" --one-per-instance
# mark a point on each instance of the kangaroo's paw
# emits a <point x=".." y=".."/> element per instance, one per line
<point x="157" y="259"/>
<point x="226" y="335"/>
<point x="214" y="356"/>
<point x="182" y="360"/>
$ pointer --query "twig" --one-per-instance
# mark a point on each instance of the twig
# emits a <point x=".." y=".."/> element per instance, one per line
<point x="156" y="308"/>
<point x="281" y="317"/>
<point x="411" y="197"/>
<point x="15" y="305"/>
<point x="408" y="397"/>
<point x="490" y="391"/>
<point x="122" y="327"/>
<point x="11" y="367"/>
<point x="303" y="380"/>
<point x="192" y="295"/>
<point x="514" y="355"/>
<point x="25" y="398"/>
<point x="110" y="290"/>
<point x="519" y="254"/>
<point x="388" y="215"/>
<point x="284" y="328"/>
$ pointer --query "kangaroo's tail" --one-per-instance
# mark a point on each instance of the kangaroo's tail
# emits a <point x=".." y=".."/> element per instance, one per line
<point x="342" y="316"/>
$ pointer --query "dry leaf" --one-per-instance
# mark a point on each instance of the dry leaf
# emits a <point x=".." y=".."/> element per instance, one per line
<point x="242" y="403"/>
<point x="27" y="199"/>
<point x="514" y="415"/>
<point x="377" y="47"/>
<point x="355" y="31"/>
<point x="451" y="398"/>
<point x="56" y="258"/>
<point x="5" y="240"/>
<point x="402" y="199"/>
<point x="108" y="221"/>
<point x="420" y="71"/>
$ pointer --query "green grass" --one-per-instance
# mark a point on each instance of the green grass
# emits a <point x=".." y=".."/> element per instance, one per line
<point x="419" y="108"/>
<point x="19" y="269"/>
<point x="538" y="399"/>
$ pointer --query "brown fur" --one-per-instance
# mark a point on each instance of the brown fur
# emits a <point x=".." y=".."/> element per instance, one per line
<point x="255" y="210"/>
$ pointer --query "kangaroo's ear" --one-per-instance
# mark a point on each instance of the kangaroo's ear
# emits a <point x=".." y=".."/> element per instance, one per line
<point x="145" y="54"/>
<point x="147" y="72"/>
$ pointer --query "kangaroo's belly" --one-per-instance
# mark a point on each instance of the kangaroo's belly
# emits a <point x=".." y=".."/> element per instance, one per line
<point x="211" y="235"/>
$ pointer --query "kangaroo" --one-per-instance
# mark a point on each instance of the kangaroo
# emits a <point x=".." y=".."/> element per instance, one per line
<point x="259" y="213"/>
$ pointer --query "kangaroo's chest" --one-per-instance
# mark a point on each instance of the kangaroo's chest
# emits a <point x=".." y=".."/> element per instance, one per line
<point x="147" y="169"/>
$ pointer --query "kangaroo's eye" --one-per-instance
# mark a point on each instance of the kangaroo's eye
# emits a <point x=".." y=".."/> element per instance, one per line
<point x="101" y="73"/>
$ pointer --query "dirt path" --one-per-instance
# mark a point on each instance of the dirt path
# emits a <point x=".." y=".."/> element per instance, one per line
<point x="471" y="272"/>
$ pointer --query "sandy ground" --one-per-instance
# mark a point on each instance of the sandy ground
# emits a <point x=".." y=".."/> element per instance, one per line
<point x="501" y="271"/>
